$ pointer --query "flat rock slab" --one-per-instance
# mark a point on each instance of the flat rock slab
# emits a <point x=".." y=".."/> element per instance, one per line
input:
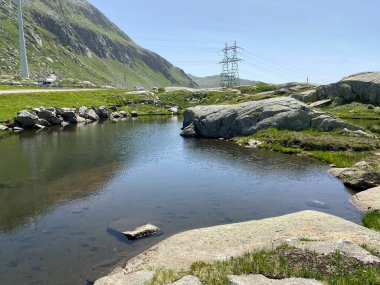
<point x="222" y="242"/>
<point x="141" y="232"/>
<point x="120" y="277"/>
<point x="348" y="248"/>
<point x="262" y="280"/>
<point x="367" y="200"/>
<point x="187" y="280"/>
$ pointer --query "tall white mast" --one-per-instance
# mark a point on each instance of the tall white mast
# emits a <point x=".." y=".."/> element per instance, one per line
<point x="24" y="59"/>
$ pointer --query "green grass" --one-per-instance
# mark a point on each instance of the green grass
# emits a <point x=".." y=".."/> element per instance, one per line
<point x="355" y="110"/>
<point x="10" y="104"/>
<point x="279" y="263"/>
<point x="257" y="88"/>
<point x="331" y="147"/>
<point x="371" y="220"/>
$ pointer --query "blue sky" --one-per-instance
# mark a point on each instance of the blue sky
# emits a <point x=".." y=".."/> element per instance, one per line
<point x="283" y="40"/>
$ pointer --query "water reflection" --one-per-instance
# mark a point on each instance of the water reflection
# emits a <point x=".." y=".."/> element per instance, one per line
<point x="67" y="193"/>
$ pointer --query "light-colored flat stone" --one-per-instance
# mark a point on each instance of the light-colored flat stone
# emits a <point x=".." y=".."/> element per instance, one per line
<point x="140" y="232"/>
<point x="120" y="277"/>
<point x="348" y="248"/>
<point x="222" y="242"/>
<point x="262" y="280"/>
<point x="187" y="280"/>
<point x="367" y="200"/>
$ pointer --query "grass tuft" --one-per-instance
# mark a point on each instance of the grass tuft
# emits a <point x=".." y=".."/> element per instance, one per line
<point x="371" y="220"/>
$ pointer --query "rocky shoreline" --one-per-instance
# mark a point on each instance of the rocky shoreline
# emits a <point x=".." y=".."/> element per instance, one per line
<point x="311" y="230"/>
<point x="40" y="118"/>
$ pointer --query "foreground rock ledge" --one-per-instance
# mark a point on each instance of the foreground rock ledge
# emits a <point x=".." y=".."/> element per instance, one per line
<point x="227" y="121"/>
<point x="222" y="242"/>
<point x="367" y="200"/>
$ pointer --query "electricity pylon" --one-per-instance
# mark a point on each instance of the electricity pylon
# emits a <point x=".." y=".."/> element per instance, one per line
<point x="230" y="67"/>
<point x="23" y="57"/>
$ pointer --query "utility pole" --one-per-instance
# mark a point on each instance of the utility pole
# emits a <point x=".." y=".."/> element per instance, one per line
<point x="23" y="57"/>
<point x="230" y="66"/>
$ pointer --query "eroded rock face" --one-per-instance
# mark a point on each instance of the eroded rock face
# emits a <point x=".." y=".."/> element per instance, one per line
<point x="226" y="121"/>
<point x="362" y="87"/>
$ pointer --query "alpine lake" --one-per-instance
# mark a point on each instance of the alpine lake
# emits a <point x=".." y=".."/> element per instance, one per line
<point x="67" y="193"/>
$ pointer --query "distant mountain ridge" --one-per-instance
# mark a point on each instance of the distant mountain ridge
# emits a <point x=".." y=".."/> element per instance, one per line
<point x="80" y="43"/>
<point x="214" y="81"/>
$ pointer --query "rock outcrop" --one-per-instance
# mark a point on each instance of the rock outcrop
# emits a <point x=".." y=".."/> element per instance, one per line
<point x="362" y="87"/>
<point x="226" y="121"/>
<point x="52" y="116"/>
<point x="329" y="233"/>
<point x="367" y="200"/>
<point x="359" y="177"/>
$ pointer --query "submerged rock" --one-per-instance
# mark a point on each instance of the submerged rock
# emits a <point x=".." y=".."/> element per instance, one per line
<point x="141" y="232"/>
<point x="226" y="121"/>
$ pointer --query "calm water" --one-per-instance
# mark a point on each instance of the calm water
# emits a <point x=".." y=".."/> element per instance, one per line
<point x="65" y="194"/>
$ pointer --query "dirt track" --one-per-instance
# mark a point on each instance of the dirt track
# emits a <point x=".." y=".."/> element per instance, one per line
<point x="45" y="90"/>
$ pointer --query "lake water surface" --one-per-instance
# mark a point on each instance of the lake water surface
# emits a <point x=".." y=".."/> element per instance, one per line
<point x="65" y="194"/>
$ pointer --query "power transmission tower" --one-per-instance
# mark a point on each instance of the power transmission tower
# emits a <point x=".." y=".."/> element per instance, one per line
<point x="230" y="66"/>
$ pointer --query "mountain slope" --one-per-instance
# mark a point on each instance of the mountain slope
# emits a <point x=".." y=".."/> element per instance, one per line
<point x="79" y="43"/>
<point x="214" y="81"/>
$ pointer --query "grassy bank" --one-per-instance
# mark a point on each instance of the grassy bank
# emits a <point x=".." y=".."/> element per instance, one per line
<point x="10" y="104"/>
<point x="279" y="263"/>
<point x="355" y="110"/>
<point x="371" y="220"/>
<point x="332" y="147"/>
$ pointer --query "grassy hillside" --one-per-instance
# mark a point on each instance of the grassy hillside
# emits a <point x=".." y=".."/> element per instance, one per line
<point x="214" y="81"/>
<point x="76" y="41"/>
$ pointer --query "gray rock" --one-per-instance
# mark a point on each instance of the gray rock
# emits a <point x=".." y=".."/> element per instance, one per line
<point x="362" y="87"/>
<point x="134" y="114"/>
<point x="3" y="128"/>
<point x="64" y="124"/>
<point x="140" y="232"/>
<point x="226" y="121"/>
<point x="262" y="280"/>
<point x="50" y="116"/>
<point x="115" y="115"/>
<point x="41" y="127"/>
<point x="83" y="109"/>
<point x="120" y="277"/>
<point x="103" y="113"/>
<point x="69" y="115"/>
<point x="26" y="119"/>
<point x="367" y="200"/>
<point x="91" y="115"/>
<point x="346" y="247"/>
<point x="43" y="122"/>
<point x="321" y="103"/>
<point x="80" y="120"/>
<point x="123" y="114"/>
<point x="306" y="96"/>
<point x="187" y="280"/>
<point x="17" y="129"/>
<point x="357" y="178"/>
